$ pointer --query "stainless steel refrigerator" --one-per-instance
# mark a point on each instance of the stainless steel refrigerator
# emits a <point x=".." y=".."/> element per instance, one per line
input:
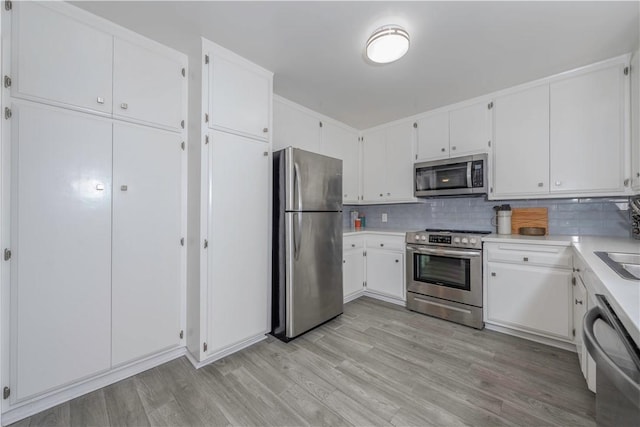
<point x="307" y="241"/>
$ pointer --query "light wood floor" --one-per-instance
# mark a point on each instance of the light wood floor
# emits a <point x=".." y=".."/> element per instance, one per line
<point x="377" y="364"/>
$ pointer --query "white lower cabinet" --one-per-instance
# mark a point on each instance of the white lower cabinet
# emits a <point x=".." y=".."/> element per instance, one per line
<point x="528" y="288"/>
<point x="61" y="265"/>
<point x="582" y="303"/>
<point x="146" y="241"/>
<point x="374" y="263"/>
<point x="239" y="283"/>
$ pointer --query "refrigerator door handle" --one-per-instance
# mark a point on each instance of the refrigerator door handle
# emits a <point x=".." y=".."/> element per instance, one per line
<point x="297" y="235"/>
<point x="296" y="183"/>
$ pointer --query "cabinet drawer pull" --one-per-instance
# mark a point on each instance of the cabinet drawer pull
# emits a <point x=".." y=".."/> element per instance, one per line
<point x="525" y="259"/>
<point x="380" y="194"/>
<point x="579" y="301"/>
<point x="124" y="105"/>
<point x="344" y="261"/>
<point x="100" y="100"/>
<point x="265" y="130"/>
<point x="540" y="184"/>
<point x="493" y="274"/>
<point x="453" y="148"/>
<point x="381" y="245"/>
<point x="353" y="245"/>
<point x="442" y="149"/>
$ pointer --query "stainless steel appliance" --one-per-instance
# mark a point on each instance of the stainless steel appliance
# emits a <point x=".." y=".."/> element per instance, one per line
<point x="444" y="275"/>
<point x="451" y="177"/>
<point x="307" y="241"/>
<point x="617" y="366"/>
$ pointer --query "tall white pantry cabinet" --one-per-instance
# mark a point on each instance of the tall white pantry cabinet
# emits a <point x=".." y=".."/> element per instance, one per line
<point x="228" y="291"/>
<point x="93" y="204"/>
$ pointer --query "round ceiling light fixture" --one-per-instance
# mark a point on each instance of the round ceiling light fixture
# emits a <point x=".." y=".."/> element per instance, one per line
<point x="387" y="44"/>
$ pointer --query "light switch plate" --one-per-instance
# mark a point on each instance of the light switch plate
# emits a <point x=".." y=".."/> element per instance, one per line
<point x="384" y="217"/>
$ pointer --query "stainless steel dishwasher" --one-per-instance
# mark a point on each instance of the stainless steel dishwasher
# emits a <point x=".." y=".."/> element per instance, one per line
<point x="617" y="366"/>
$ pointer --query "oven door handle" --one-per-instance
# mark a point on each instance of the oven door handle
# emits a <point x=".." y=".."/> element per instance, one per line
<point x="438" y="251"/>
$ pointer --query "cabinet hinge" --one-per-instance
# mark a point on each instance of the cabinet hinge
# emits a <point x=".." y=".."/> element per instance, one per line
<point x="491" y="190"/>
<point x="573" y="281"/>
<point x="573" y="332"/>
<point x="183" y="72"/>
<point x="490" y="105"/>
<point x="320" y="124"/>
<point x="204" y="346"/>
<point x="182" y="145"/>
<point x="364" y="283"/>
<point x="182" y="124"/>
<point x="8" y="5"/>
<point x="182" y="241"/>
<point x="364" y="253"/>
<point x="206" y="139"/>
<point x="415" y="125"/>
<point x="7" y="113"/>
<point x="206" y="117"/>
<point x="626" y="71"/>
<point x="206" y="59"/>
<point x="489" y="143"/>
<point x="7" y="81"/>
<point x="7" y="254"/>
<point x="181" y="334"/>
<point x="416" y="157"/>
<point x="6" y="392"/>
<point x="206" y="243"/>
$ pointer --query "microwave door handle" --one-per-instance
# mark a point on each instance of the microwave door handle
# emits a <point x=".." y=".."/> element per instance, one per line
<point x="434" y="251"/>
<point x="469" y="183"/>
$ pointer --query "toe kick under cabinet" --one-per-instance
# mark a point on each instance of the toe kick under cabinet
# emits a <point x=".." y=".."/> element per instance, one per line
<point x="528" y="288"/>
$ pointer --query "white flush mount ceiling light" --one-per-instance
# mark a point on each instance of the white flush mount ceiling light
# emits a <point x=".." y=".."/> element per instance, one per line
<point x="387" y="44"/>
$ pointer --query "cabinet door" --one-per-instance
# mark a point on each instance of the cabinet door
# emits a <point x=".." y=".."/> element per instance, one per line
<point x="399" y="162"/>
<point x="635" y="121"/>
<point x="535" y="299"/>
<point x="239" y="98"/>
<point x="353" y="272"/>
<point x="294" y="128"/>
<point x="587" y="132"/>
<point x="342" y="144"/>
<point x="433" y="137"/>
<point x="239" y="278"/>
<point x="146" y="241"/>
<point x="147" y="85"/>
<point x="579" y="310"/>
<point x="469" y="130"/>
<point x="61" y="229"/>
<point x="60" y="60"/>
<point x="374" y="165"/>
<point x="521" y="143"/>
<point x="385" y="273"/>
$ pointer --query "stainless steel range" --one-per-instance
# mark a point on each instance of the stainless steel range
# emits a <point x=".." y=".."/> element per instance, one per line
<point x="444" y="275"/>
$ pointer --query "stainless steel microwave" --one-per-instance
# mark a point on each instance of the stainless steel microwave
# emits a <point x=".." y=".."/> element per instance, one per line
<point x="451" y="177"/>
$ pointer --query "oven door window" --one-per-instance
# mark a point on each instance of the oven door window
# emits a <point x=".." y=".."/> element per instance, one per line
<point x="443" y="177"/>
<point x="442" y="270"/>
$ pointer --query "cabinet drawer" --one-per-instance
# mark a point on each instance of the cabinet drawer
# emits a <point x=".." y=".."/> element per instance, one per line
<point x="395" y="243"/>
<point x="352" y="242"/>
<point x="548" y="256"/>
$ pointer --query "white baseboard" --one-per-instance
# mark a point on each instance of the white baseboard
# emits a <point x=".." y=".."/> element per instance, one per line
<point x="225" y="352"/>
<point x="386" y="298"/>
<point x="33" y="406"/>
<point x="531" y="337"/>
<point x="353" y="296"/>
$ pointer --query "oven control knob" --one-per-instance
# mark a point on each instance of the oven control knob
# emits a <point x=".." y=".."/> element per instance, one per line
<point x="424" y="238"/>
<point x="417" y="237"/>
<point x="465" y="240"/>
<point x="456" y="240"/>
<point x="473" y="241"/>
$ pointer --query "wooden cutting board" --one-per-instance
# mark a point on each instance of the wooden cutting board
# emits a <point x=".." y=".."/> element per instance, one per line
<point x="529" y="217"/>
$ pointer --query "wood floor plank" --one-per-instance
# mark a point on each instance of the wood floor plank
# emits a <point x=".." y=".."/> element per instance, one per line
<point x="376" y="365"/>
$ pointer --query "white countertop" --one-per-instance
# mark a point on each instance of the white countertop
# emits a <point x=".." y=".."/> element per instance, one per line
<point x="622" y="294"/>
<point x="531" y="240"/>
<point x="353" y="232"/>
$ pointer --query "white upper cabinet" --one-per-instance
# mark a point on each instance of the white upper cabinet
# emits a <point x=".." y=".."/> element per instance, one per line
<point x="469" y="129"/>
<point x="587" y="132"/>
<point x="342" y="143"/>
<point x="146" y="241"/>
<point x="147" y="85"/>
<point x="521" y="143"/>
<point x="387" y="164"/>
<point x="293" y="127"/>
<point x="433" y="136"/>
<point x="239" y="96"/>
<point x="60" y="60"/>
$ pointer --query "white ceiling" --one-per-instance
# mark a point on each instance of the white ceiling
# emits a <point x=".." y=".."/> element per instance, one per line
<point x="458" y="49"/>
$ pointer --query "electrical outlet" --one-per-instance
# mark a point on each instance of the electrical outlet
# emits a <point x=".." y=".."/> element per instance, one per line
<point x="384" y="217"/>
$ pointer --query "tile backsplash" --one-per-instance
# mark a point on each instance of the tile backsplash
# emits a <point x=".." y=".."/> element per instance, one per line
<point x="593" y="216"/>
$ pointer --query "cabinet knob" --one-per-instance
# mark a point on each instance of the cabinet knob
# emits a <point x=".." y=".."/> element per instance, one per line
<point x="453" y="148"/>
<point x="345" y="195"/>
<point x="123" y="188"/>
<point x="100" y="100"/>
<point x="100" y="187"/>
<point x="626" y="182"/>
<point x="265" y="154"/>
<point x="540" y="184"/>
<point x="638" y="174"/>
<point x="397" y="260"/>
<point x="344" y="261"/>
<point x="493" y="274"/>
<point x="382" y="245"/>
<point x="442" y="149"/>
<point x="576" y="270"/>
<point x="578" y="301"/>
<point x="388" y="194"/>
<point x="525" y="259"/>
<point x="353" y="245"/>
<point x="380" y="194"/>
<point x="124" y="105"/>
<point x="265" y="130"/>
<point x="558" y="183"/>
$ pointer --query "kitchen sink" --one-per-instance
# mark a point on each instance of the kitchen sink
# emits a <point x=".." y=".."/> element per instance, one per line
<point x="627" y="265"/>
